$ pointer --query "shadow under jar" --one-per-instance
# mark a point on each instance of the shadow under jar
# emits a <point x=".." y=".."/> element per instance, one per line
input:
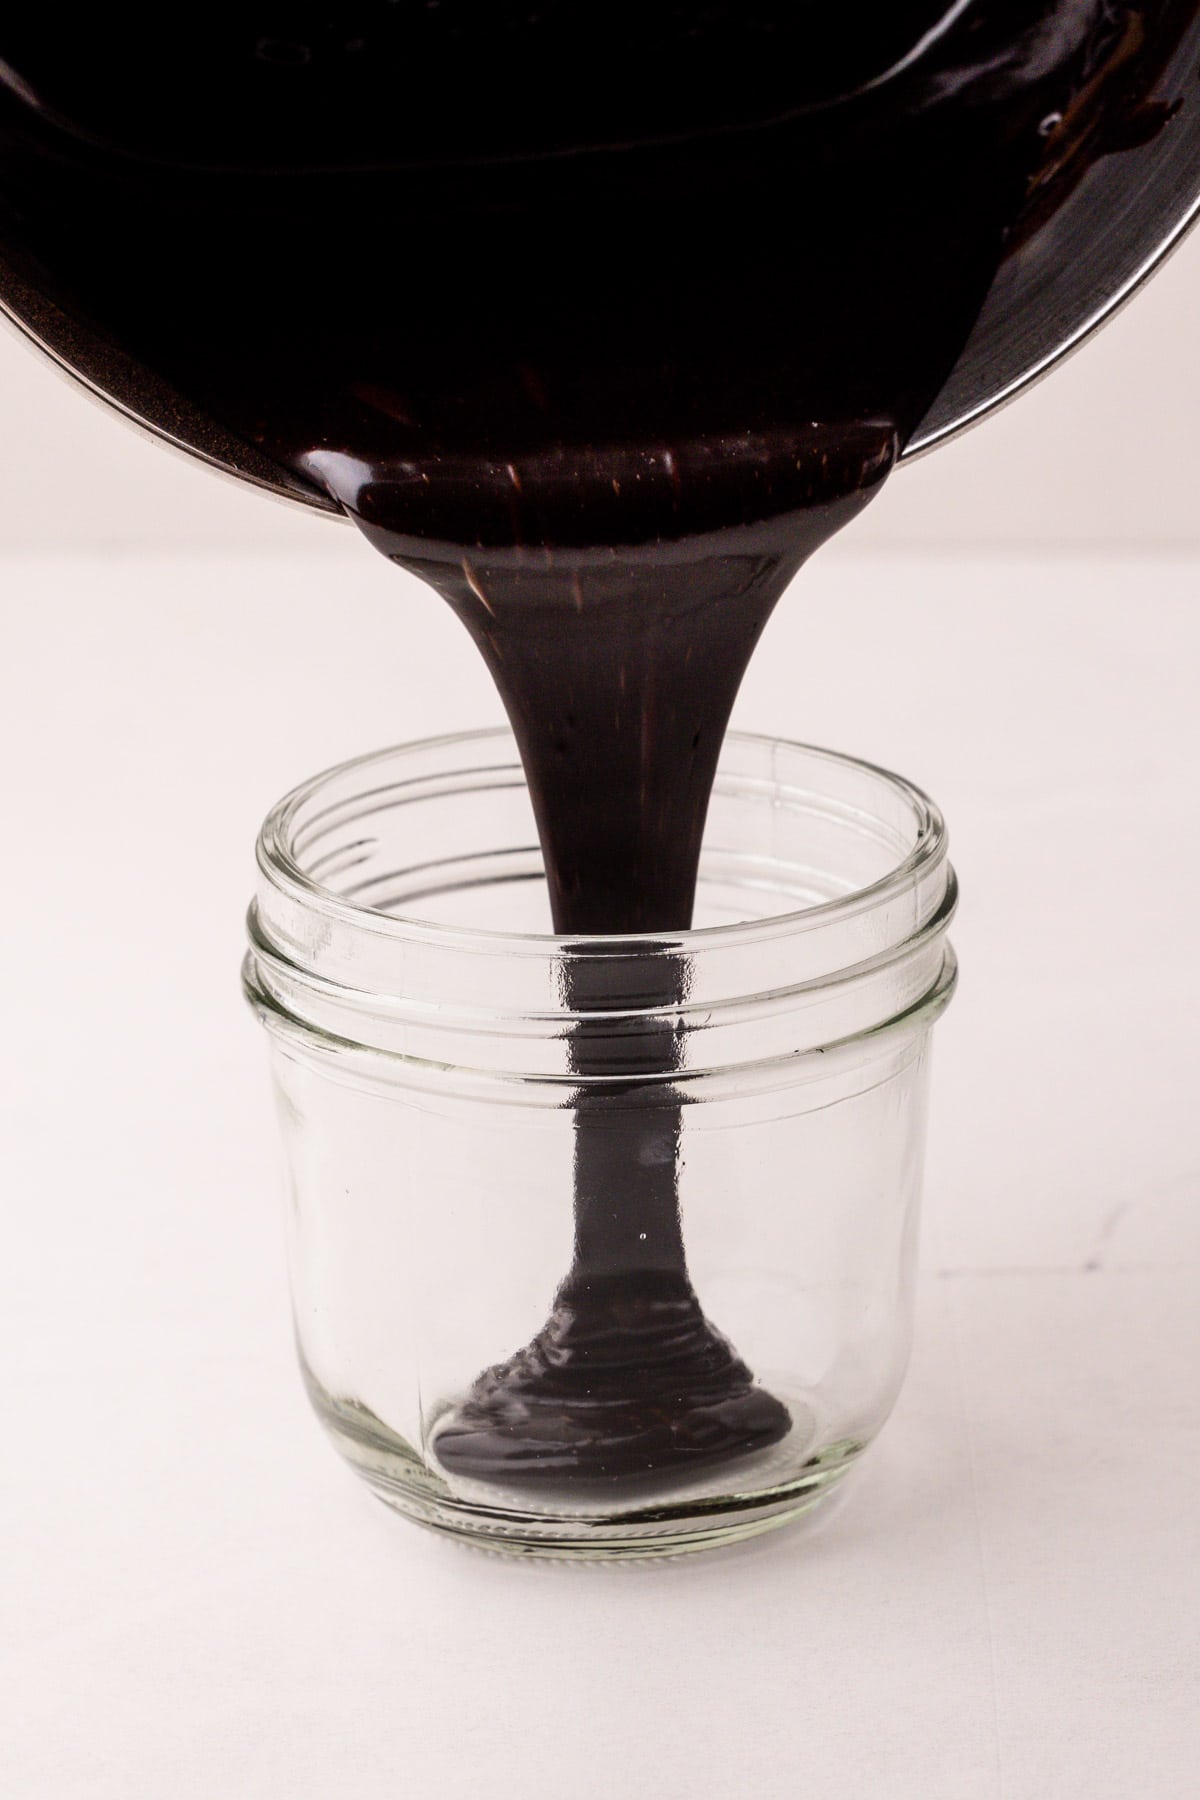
<point x="601" y="1247"/>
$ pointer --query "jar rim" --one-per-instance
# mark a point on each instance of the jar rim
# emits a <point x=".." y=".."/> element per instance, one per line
<point x="281" y="867"/>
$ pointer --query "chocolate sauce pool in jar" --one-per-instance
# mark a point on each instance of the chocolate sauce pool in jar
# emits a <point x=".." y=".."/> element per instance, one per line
<point x="601" y="321"/>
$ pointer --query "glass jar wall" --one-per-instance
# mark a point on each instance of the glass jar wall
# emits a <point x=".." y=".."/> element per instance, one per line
<point x="601" y="1247"/>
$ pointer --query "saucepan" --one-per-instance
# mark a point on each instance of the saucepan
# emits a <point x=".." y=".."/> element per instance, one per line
<point x="1118" y="190"/>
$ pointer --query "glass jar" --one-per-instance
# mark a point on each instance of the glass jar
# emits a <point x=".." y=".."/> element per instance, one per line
<point x="601" y="1247"/>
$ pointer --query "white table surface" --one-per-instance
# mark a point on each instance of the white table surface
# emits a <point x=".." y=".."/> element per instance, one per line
<point x="199" y="1600"/>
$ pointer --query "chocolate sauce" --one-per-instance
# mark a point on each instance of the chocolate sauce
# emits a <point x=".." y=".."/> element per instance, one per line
<point x="602" y="332"/>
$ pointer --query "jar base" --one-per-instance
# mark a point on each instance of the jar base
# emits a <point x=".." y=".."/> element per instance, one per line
<point x="638" y="1526"/>
<point x="618" y="1539"/>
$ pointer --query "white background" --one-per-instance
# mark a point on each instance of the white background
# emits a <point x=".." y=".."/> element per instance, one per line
<point x="197" y="1599"/>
